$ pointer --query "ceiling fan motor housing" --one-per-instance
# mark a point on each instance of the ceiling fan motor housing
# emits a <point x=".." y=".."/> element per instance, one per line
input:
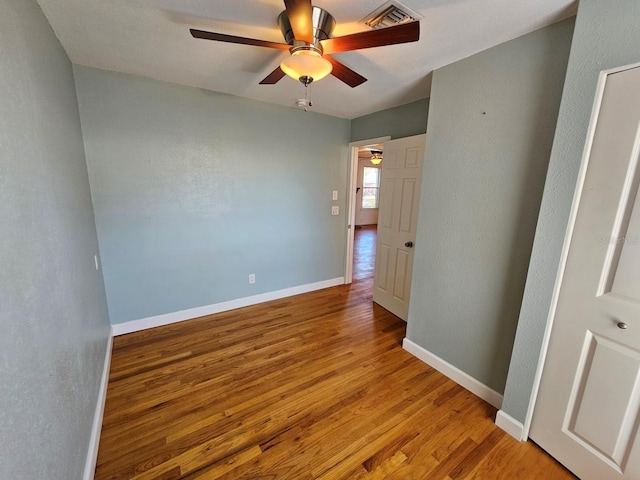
<point x="323" y="25"/>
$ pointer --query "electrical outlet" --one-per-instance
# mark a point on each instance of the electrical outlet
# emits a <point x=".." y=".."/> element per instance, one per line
<point x="252" y="278"/>
<point x="334" y="195"/>
<point x="335" y="210"/>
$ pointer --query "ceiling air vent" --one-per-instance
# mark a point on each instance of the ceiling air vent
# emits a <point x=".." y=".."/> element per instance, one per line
<point x="389" y="14"/>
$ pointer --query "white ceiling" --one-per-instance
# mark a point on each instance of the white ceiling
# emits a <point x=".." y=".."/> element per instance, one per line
<point x="151" y="38"/>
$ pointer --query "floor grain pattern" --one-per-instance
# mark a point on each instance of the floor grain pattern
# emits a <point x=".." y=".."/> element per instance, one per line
<point x="315" y="386"/>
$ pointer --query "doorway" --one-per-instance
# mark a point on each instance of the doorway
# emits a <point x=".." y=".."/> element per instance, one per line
<point x="352" y="199"/>
<point x="398" y="185"/>
<point x="366" y="211"/>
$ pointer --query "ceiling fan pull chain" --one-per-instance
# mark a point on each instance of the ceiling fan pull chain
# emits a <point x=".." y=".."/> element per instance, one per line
<point x="305" y="103"/>
<point x="307" y="98"/>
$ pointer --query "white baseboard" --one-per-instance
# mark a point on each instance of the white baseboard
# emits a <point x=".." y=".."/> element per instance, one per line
<point x="461" y="378"/>
<point x="94" y="441"/>
<point x="510" y="425"/>
<point x="179" y="316"/>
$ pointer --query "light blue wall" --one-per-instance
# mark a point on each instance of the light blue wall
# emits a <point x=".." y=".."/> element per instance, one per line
<point x="491" y="124"/>
<point x="194" y="190"/>
<point x="403" y="121"/>
<point x="607" y="35"/>
<point x="52" y="303"/>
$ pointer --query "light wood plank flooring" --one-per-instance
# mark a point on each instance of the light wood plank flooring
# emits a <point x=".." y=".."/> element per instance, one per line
<point x="315" y="386"/>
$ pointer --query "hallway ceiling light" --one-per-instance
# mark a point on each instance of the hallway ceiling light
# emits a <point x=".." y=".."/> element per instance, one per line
<point x="376" y="157"/>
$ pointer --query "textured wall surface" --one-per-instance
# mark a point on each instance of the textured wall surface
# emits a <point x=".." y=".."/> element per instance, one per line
<point x="52" y="303"/>
<point x="403" y="121"/>
<point x="491" y="123"/>
<point x="195" y="190"/>
<point x="607" y="35"/>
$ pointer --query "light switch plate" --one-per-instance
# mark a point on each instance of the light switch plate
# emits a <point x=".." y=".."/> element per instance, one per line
<point x="334" y="195"/>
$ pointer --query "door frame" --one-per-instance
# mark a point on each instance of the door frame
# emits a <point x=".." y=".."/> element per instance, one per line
<point x="351" y="200"/>
<point x="584" y="163"/>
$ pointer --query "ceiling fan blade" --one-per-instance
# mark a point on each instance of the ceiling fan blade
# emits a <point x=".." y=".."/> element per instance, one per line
<point x="274" y="77"/>
<point x="344" y="73"/>
<point x="300" y="17"/>
<point x="403" y="33"/>
<point x="221" y="37"/>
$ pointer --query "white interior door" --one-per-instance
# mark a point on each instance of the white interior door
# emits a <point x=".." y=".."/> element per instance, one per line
<point x="587" y="411"/>
<point x="400" y="181"/>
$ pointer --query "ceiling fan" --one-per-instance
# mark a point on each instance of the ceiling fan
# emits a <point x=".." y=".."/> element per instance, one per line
<point x="307" y="31"/>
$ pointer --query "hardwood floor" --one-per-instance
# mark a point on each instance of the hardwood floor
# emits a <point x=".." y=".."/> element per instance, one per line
<point x="364" y="253"/>
<point x="315" y="386"/>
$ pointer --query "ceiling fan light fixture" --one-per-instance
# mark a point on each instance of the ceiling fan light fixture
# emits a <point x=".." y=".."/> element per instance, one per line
<point x="306" y="66"/>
